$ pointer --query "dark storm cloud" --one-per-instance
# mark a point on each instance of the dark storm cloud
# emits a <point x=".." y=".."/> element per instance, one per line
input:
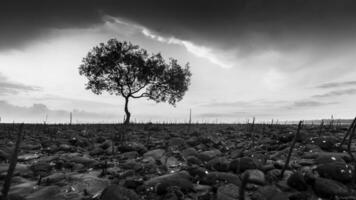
<point x="337" y="93"/>
<point x="337" y="84"/>
<point x="38" y="112"/>
<point x="309" y="103"/>
<point x="249" y="24"/>
<point x="7" y="87"/>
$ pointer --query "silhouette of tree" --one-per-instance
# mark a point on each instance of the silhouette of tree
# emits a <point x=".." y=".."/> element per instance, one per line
<point x="124" y="69"/>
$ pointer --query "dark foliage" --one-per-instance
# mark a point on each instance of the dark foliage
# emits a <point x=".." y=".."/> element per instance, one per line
<point x="124" y="69"/>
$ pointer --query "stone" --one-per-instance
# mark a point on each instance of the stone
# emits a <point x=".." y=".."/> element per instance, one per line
<point x="157" y="154"/>
<point x="46" y="193"/>
<point x="325" y="159"/>
<point x="115" y="192"/>
<point x="89" y="183"/>
<point x="129" y="155"/>
<point x="255" y="176"/>
<point x="192" y="160"/>
<point x="179" y="179"/>
<point x="132" y="146"/>
<point x="269" y="193"/>
<point x="296" y="181"/>
<point x="212" y="178"/>
<point x="336" y="171"/>
<point x="208" y="155"/>
<point x="228" y="192"/>
<point x="41" y="168"/>
<point x="327" y="188"/>
<point x="27" y="157"/>
<point x="242" y="164"/>
<point x="218" y="164"/>
<point x="54" y="178"/>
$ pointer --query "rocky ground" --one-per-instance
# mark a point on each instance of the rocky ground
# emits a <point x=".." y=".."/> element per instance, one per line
<point x="207" y="162"/>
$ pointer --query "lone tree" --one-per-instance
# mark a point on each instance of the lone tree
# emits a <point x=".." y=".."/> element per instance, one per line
<point x="127" y="70"/>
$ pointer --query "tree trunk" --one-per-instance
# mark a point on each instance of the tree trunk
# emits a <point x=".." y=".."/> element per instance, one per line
<point x="128" y="114"/>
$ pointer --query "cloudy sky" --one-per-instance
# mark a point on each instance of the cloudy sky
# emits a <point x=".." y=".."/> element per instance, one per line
<point x="272" y="59"/>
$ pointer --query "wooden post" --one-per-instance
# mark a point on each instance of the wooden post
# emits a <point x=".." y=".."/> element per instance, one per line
<point x="12" y="166"/>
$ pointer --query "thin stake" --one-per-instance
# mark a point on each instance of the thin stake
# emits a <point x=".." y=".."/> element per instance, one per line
<point x="291" y="148"/>
<point x="12" y="165"/>
<point x="244" y="182"/>
<point x="348" y="132"/>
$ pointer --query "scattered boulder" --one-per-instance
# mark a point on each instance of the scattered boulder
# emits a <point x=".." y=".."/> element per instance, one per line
<point x="228" y="192"/>
<point x="327" y="188"/>
<point x="337" y="171"/>
<point x="218" y="164"/>
<point x="242" y="164"/>
<point x="157" y="154"/>
<point x="255" y="176"/>
<point x="115" y="192"/>
<point x="296" y="181"/>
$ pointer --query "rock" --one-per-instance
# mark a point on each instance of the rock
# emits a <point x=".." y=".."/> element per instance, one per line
<point x="87" y="162"/>
<point x="41" y="168"/>
<point x="189" y="152"/>
<point x="115" y="192"/>
<point x="296" y="181"/>
<point x="242" y="164"/>
<point x="192" y="160"/>
<point x="132" y="164"/>
<point x="193" y="141"/>
<point x="218" y="164"/>
<point x="256" y="176"/>
<point x="327" y="143"/>
<point x="236" y="154"/>
<point x="325" y="159"/>
<point x="269" y="193"/>
<point x="286" y="137"/>
<point x="65" y="147"/>
<point x="46" y="193"/>
<point x="89" y="183"/>
<point x="27" y="157"/>
<point x="202" y="189"/>
<point x="314" y="155"/>
<point x="208" y="155"/>
<point x="157" y="154"/>
<point x="23" y="189"/>
<point x="337" y="171"/>
<point x="228" y="192"/>
<point x="105" y="145"/>
<point x="31" y="146"/>
<point x="306" y="162"/>
<point x="54" y="178"/>
<point x="212" y="178"/>
<point x="4" y="155"/>
<point x="178" y="179"/>
<point x="177" y="142"/>
<point x="196" y="171"/>
<point x="129" y="155"/>
<point x="21" y="169"/>
<point x="299" y="196"/>
<point x="132" y="146"/>
<point x="327" y="188"/>
<point x="133" y="182"/>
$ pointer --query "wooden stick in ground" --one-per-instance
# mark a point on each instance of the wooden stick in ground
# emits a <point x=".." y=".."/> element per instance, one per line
<point x="12" y="165"/>
<point x="244" y="182"/>
<point x="348" y="132"/>
<point x="352" y="133"/>
<point x="291" y="149"/>
<point x="321" y="127"/>
<point x="252" y="133"/>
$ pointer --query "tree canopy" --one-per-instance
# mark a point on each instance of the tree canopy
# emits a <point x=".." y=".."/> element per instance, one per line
<point x="124" y="69"/>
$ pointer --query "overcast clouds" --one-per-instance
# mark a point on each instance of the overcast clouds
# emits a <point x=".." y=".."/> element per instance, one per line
<point x="287" y="59"/>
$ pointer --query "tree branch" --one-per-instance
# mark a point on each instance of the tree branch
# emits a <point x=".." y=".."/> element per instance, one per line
<point x="140" y="96"/>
